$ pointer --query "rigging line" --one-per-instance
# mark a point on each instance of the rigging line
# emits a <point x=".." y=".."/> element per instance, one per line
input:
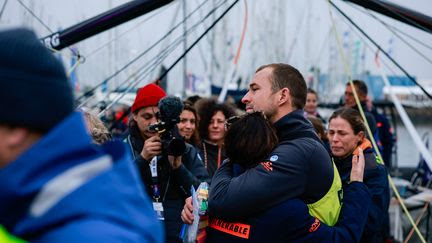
<point x="402" y="16"/>
<point x="35" y="16"/>
<point x="3" y="8"/>
<point x="397" y="35"/>
<point x="75" y="53"/>
<point x="396" y="29"/>
<point x="373" y="51"/>
<point x="146" y="69"/>
<point x="174" y="45"/>
<point x="381" y="49"/>
<point x="209" y="41"/>
<point x="199" y="38"/>
<point x="134" y="83"/>
<point x="367" y="125"/>
<point x="318" y="59"/>
<point x="127" y="31"/>
<point x="89" y="92"/>
<point x="245" y="23"/>
<point x="300" y="25"/>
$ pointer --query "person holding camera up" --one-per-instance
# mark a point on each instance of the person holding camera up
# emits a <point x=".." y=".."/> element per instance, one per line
<point x="166" y="175"/>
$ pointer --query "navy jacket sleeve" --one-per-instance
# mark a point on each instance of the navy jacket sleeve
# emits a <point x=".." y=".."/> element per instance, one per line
<point x="377" y="182"/>
<point x="258" y="188"/>
<point x="351" y="221"/>
<point x="192" y="172"/>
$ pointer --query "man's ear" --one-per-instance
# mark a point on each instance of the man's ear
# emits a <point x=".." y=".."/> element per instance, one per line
<point x="361" y="136"/>
<point x="135" y="116"/>
<point x="17" y="136"/>
<point x="284" y="97"/>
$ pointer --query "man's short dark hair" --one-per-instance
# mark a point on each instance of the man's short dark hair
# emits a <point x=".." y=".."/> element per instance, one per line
<point x="286" y="76"/>
<point x="361" y="86"/>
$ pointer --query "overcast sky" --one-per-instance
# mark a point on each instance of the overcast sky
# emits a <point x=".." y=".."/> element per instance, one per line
<point x="293" y="31"/>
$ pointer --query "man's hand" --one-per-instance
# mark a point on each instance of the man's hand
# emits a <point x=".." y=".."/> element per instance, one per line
<point x="358" y="164"/>
<point x="187" y="213"/>
<point x="152" y="147"/>
<point x="175" y="162"/>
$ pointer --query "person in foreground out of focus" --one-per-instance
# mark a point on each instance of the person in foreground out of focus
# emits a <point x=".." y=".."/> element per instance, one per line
<point x="56" y="184"/>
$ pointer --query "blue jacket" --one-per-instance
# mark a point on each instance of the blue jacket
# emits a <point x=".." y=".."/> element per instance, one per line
<point x="66" y="189"/>
<point x="375" y="178"/>
<point x="299" y="167"/>
<point x="290" y="221"/>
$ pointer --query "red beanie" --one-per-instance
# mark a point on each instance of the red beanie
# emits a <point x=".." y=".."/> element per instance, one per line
<point x="148" y="95"/>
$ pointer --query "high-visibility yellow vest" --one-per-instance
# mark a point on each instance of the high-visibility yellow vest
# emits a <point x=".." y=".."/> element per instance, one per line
<point x="5" y="237"/>
<point x="327" y="209"/>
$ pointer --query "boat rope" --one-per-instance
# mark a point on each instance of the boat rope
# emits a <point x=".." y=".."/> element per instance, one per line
<point x="372" y="50"/>
<point x="124" y="33"/>
<point x="3" y="8"/>
<point x="347" y="70"/>
<point x="424" y="210"/>
<point x="44" y="25"/>
<point x="234" y="65"/>
<point x="405" y="119"/>
<point x="80" y="60"/>
<point x="294" y="42"/>
<point x="170" y="48"/>
<point x="368" y="12"/>
<point x="382" y="50"/>
<point x="245" y="23"/>
<point x="35" y="16"/>
<point x="179" y="39"/>
<point x="405" y="18"/>
<point x="199" y="38"/>
<point x="90" y="92"/>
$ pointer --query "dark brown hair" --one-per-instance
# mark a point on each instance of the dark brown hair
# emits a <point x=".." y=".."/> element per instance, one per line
<point x="360" y="86"/>
<point x="352" y="116"/>
<point x="250" y="139"/>
<point x="318" y="126"/>
<point x="286" y="76"/>
<point x="206" y="109"/>
<point x="188" y="107"/>
<point x="311" y="91"/>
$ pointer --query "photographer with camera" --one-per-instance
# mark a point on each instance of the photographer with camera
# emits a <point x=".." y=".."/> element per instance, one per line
<point x="167" y="165"/>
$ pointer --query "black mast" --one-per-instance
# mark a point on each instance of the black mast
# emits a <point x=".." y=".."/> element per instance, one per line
<point x="397" y="12"/>
<point x="101" y="22"/>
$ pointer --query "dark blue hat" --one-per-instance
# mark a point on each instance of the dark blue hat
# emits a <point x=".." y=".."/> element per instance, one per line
<point x="34" y="90"/>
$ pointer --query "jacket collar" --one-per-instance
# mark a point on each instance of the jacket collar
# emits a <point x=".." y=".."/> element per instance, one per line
<point x="293" y="125"/>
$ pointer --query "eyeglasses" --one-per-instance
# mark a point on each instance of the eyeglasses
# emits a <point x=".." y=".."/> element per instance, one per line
<point x="230" y="121"/>
<point x="234" y="119"/>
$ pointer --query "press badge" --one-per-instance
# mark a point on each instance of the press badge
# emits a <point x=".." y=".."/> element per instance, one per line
<point x="158" y="208"/>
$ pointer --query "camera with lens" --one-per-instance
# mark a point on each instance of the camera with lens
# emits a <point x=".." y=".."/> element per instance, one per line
<point x="170" y="109"/>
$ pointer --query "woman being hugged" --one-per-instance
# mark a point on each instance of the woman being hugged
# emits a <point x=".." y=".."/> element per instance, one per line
<point x="346" y="134"/>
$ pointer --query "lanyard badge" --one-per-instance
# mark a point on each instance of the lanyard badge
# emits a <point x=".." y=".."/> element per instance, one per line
<point x="157" y="205"/>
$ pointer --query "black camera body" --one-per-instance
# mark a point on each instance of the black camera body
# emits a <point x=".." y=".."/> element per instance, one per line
<point x="170" y="109"/>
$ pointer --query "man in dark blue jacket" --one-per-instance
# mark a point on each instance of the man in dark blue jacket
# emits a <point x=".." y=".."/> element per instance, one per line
<point x="299" y="167"/>
<point x="56" y="185"/>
